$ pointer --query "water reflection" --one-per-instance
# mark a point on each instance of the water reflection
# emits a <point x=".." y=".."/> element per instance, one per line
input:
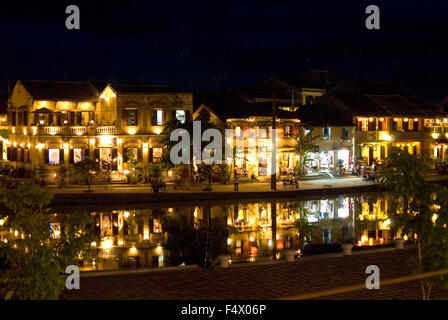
<point x="158" y="237"/>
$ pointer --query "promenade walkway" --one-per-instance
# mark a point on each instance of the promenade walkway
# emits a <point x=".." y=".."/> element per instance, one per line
<point x="348" y="181"/>
<point x="268" y="281"/>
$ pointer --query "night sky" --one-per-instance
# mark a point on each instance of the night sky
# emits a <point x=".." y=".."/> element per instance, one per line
<point x="211" y="45"/>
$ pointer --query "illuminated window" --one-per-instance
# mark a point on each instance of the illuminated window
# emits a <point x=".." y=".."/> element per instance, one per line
<point x="181" y="115"/>
<point x="157" y="226"/>
<point x="156" y="154"/>
<point x="53" y="156"/>
<point x="157" y="117"/>
<point x="78" y="155"/>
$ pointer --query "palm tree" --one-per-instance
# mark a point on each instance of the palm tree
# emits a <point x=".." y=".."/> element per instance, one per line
<point x="304" y="147"/>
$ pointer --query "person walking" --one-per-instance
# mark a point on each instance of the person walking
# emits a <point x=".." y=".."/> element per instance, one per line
<point x="236" y="181"/>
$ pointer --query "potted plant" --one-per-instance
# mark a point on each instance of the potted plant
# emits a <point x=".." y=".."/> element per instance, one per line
<point x="224" y="260"/>
<point x="399" y="242"/>
<point x="347" y="247"/>
<point x="289" y="254"/>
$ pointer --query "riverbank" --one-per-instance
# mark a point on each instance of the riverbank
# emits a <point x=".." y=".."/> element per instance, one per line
<point x="142" y="194"/>
<point x="263" y="281"/>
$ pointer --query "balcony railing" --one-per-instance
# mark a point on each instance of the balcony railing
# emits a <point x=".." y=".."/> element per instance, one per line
<point x="385" y="136"/>
<point x="106" y="130"/>
<point x="409" y="135"/>
<point x="75" y="130"/>
<point x="370" y="135"/>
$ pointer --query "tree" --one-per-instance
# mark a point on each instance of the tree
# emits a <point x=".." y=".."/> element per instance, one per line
<point x="419" y="209"/>
<point x="41" y="173"/>
<point x="86" y="169"/>
<point x="36" y="255"/>
<point x="304" y="228"/>
<point x="304" y="147"/>
<point x="63" y="169"/>
<point x="205" y="119"/>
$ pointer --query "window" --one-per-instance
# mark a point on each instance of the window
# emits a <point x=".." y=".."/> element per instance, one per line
<point x="326" y="133"/>
<point x="309" y="99"/>
<point x="156" y="154"/>
<point x="344" y="134"/>
<point x="78" y="155"/>
<point x="132" y="154"/>
<point x="181" y="115"/>
<point x="53" y="156"/>
<point x="287" y="130"/>
<point x="157" y="117"/>
<point x="131" y="118"/>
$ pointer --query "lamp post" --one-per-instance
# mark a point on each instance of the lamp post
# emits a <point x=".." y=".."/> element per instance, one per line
<point x="274" y="146"/>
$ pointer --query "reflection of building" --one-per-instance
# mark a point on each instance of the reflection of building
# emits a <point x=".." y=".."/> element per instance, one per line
<point x="136" y="237"/>
<point x="63" y="122"/>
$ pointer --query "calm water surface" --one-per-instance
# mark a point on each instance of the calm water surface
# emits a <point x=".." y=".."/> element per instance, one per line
<point x="159" y="236"/>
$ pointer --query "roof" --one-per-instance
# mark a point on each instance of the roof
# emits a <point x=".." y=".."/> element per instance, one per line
<point x="139" y="88"/>
<point x="391" y="89"/>
<point x="378" y="99"/>
<point x="3" y="101"/>
<point x="228" y="105"/>
<point x="60" y="90"/>
<point x="316" y="79"/>
<point x="99" y="85"/>
<point x="333" y="114"/>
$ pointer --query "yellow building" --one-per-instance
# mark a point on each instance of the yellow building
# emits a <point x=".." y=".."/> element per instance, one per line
<point x="385" y="115"/>
<point x="56" y="122"/>
<point x="3" y="123"/>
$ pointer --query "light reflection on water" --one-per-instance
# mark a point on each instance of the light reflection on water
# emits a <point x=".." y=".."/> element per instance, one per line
<point x="165" y="236"/>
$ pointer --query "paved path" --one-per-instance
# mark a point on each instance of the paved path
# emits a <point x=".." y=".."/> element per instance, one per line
<point x="271" y="281"/>
<point x="243" y="187"/>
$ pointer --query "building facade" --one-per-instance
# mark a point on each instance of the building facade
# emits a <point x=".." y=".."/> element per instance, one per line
<point x="54" y="123"/>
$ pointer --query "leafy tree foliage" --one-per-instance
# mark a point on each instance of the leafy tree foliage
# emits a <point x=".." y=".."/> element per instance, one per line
<point x="35" y="257"/>
<point x="304" y="147"/>
<point x="419" y="209"/>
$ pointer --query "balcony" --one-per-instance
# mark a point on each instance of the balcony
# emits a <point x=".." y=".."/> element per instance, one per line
<point x="64" y="130"/>
<point x="371" y="136"/>
<point x="409" y="135"/>
<point x="106" y="130"/>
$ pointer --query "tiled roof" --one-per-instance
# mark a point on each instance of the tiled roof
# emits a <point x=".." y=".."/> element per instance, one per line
<point x="228" y="105"/>
<point x="60" y="90"/>
<point x="139" y="88"/>
<point x="371" y="88"/>
<point x="333" y="114"/>
<point x="379" y="99"/>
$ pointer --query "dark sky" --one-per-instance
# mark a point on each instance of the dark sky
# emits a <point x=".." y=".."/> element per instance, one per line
<point x="209" y="45"/>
